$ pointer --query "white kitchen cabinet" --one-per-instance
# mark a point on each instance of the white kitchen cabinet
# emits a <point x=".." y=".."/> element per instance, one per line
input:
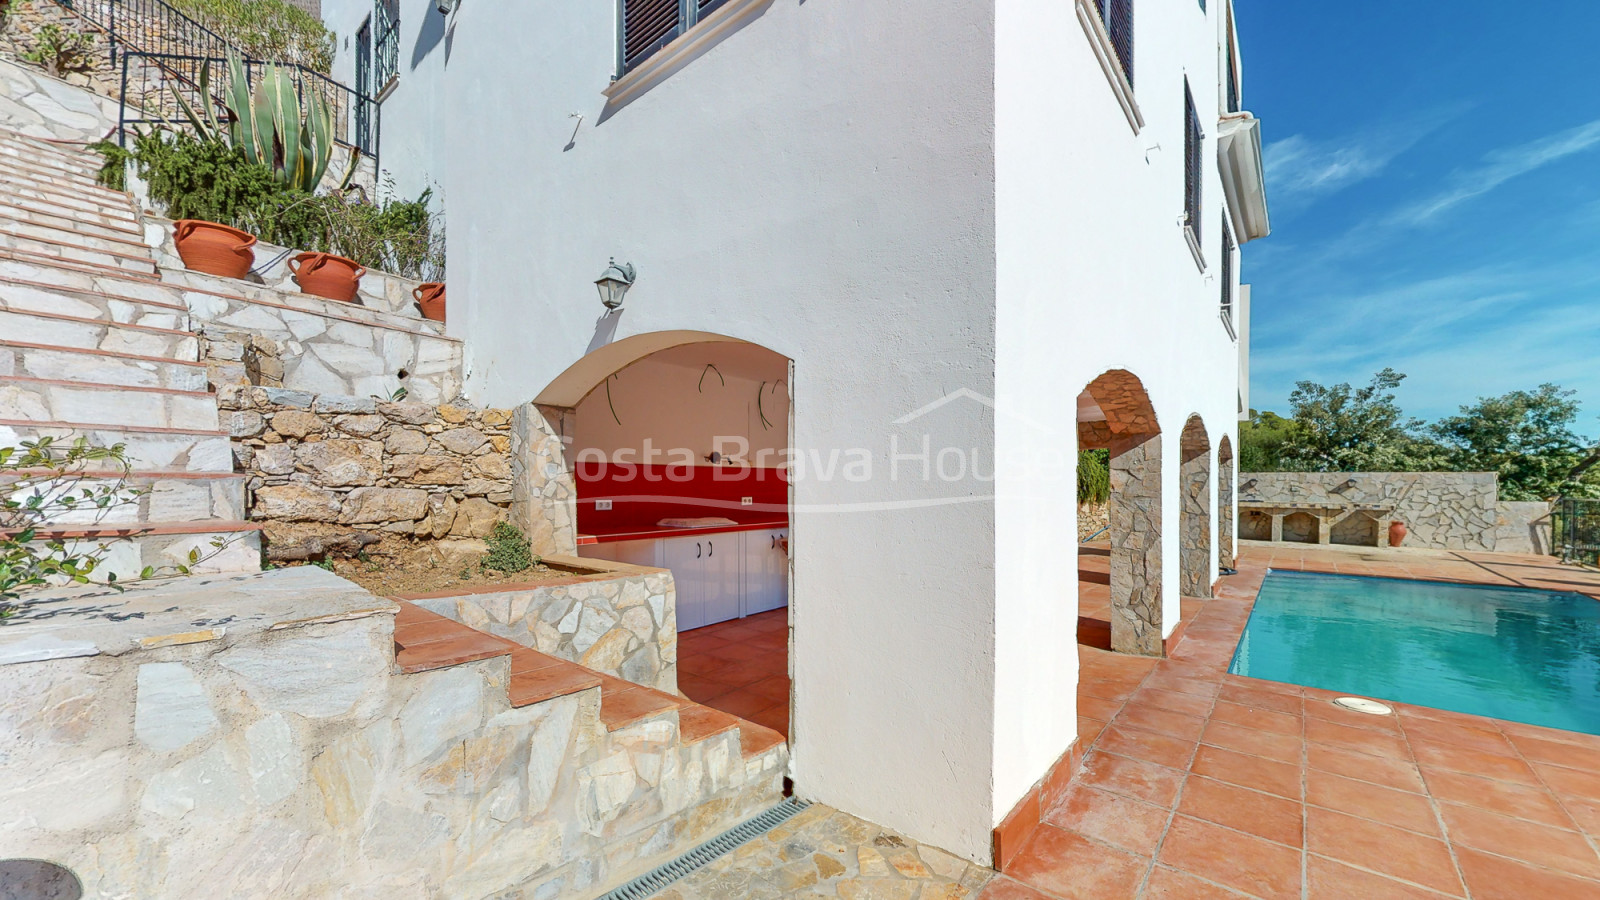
<point x="717" y="576"/>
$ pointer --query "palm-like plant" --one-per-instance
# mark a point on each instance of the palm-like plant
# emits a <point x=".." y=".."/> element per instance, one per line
<point x="271" y="126"/>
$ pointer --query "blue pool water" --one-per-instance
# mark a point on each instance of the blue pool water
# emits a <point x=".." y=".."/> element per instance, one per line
<point x="1510" y="653"/>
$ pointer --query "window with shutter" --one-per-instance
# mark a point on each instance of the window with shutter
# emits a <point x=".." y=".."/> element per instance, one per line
<point x="386" y="43"/>
<point x="647" y="26"/>
<point x="1228" y="246"/>
<point x="1117" y="15"/>
<point x="1193" y="142"/>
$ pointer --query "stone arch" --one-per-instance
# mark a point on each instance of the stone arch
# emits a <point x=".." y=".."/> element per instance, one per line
<point x="1115" y="413"/>
<point x="1227" y="556"/>
<point x="1357" y="529"/>
<point x="1255" y="525"/>
<point x="1301" y="528"/>
<point x="1194" y="511"/>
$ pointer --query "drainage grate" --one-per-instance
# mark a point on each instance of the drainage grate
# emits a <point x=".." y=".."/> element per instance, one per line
<point x="658" y="878"/>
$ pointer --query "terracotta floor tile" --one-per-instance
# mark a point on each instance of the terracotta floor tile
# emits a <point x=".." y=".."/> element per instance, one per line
<point x="1161" y="749"/>
<point x="1566" y="781"/>
<point x="1249" y="864"/>
<point x="1382" y="848"/>
<point x="1246" y="695"/>
<point x="1261" y="684"/>
<point x="1486" y="740"/>
<point x="539" y="685"/>
<point x="1401" y="809"/>
<point x="1360" y="740"/>
<point x="450" y="651"/>
<point x="1453" y="758"/>
<point x="1255" y="772"/>
<point x="696" y="723"/>
<point x="1098" y="708"/>
<point x="1281" y="747"/>
<point x="1089" y="730"/>
<point x="1122" y="822"/>
<point x="1585" y="812"/>
<point x="1173" y="701"/>
<point x="1515" y="730"/>
<point x="775" y="688"/>
<point x="1540" y="845"/>
<point x="1571" y="756"/>
<point x="626" y="707"/>
<point x="1392" y="773"/>
<point x="1004" y="888"/>
<point x="1497" y="878"/>
<point x="775" y="717"/>
<point x="1132" y="778"/>
<point x="1326" y="711"/>
<point x="1072" y="867"/>
<point x="1327" y="879"/>
<point x="1257" y="718"/>
<point x="1534" y="804"/>
<point x="701" y="689"/>
<point x="742" y="703"/>
<point x="1263" y="815"/>
<point x="1170" y="884"/>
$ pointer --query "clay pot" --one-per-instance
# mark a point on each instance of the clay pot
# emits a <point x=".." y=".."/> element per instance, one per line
<point x="1397" y="533"/>
<point x="430" y="297"/>
<point x="326" y="275"/>
<point x="214" y="249"/>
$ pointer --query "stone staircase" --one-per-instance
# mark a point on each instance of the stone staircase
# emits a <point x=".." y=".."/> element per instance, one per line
<point x="78" y="359"/>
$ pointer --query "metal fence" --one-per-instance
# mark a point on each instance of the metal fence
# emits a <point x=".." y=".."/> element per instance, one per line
<point x="1576" y="530"/>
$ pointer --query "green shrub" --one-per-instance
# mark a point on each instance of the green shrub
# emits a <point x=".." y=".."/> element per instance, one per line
<point x="59" y="50"/>
<point x="509" y="550"/>
<point x="269" y="30"/>
<point x="1094" y="476"/>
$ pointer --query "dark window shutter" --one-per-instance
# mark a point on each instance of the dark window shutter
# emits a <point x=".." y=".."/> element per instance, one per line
<point x="1117" y="15"/>
<point x="1193" y="141"/>
<point x="1227" y="270"/>
<point x="647" y="26"/>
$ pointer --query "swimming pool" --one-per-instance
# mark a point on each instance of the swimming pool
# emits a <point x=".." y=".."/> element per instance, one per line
<point x="1510" y="653"/>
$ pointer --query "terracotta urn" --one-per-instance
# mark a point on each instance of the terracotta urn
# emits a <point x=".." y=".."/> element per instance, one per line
<point x="213" y="248"/>
<point x="1397" y="533"/>
<point x="327" y="275"/>
<point x="430" y="299"/>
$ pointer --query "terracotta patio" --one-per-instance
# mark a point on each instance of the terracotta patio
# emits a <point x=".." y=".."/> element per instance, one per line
<point x="740" y="667"/>
<point x="1199" y="784"/>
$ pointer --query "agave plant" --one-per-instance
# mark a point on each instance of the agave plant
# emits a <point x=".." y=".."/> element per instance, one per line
<point x="270" y="126"/>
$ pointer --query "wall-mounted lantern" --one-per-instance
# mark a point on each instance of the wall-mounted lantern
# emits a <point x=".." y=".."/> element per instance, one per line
<point x="447" y="6"/>
<point x="614" y="283"/>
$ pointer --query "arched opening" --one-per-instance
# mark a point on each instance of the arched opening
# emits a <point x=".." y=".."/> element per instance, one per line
<point x="1227" y="556"/>
<point x="1300" y="528"/>
<point x="1255" y="526"/>
<point x="675" y="448"/>
<point x="1357" y="529"/>
<point x="1120" y="577"/>
<point x="1194" y="515"/>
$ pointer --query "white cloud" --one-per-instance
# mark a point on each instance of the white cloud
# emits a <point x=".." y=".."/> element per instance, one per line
<point x="1501" y="166"/>
<point x="1300" y="169"/>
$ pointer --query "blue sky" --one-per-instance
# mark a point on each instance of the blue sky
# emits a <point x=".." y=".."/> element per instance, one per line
<point x="1433" y="173"/>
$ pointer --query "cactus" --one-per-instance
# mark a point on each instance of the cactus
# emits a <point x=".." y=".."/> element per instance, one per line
<point x="269" y="126"/>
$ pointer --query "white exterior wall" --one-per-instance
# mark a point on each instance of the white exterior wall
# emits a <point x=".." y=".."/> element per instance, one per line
<point x="1094" y="274"/>
<point x="862" y="188"/>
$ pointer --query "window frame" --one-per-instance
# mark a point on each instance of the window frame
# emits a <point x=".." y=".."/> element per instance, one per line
<point x="1194" y="140"/>
<point x="690" y="13"/>
<point x="1229" y="299"/>
<point x="1106" y="53"/>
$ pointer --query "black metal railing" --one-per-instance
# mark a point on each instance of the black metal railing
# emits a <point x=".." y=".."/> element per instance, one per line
<point x="1575" y="530"/>
<point x="150" y="26"/>
<point x="150" y="79"/>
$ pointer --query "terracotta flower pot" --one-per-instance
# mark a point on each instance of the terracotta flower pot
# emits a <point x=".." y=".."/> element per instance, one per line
<point x="326" y="275"/>
<point x="214" y="249"/>
<point x="1397" y="533"/>
<point x="430" y="297"/>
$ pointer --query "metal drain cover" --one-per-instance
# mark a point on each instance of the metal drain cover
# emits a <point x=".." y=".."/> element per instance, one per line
<point x="1363" y="705"/>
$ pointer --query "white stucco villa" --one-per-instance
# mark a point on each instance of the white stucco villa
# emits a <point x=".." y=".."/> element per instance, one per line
<point x="924" y="252"/>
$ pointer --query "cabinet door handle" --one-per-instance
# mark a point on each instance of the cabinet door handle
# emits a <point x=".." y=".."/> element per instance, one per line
<point x="713" y="549"/>
<point x="697" y="549"/>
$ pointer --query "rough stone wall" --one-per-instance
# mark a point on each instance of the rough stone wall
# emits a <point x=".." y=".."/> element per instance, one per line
<point x="1523" y="526"/>
<point x="1226" y="557"/>
<point x="238" y="357"/>
<point x="1442" y="510"/>
<point x="544" y="494"/>
<point x="361" y="464"/>
<point x="623" y="623"/>
<point x="286" y="758"/>
<point x="1136" y="546"/>
<point x="1194" y="535"/>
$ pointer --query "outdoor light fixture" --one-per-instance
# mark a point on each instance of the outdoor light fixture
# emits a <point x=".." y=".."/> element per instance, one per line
<point x="614" y="283"/>
<point x="447" y="6"/>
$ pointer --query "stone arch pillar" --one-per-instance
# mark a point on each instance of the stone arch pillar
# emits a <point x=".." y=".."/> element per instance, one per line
<point x="1227" y="556"/>
<point x="1118" y="411"/>
<point x="1194" y="515"/>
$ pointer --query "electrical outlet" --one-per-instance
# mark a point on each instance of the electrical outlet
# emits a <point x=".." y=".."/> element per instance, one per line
<point x="747" y="501"/>
<point x="602" y="505"/>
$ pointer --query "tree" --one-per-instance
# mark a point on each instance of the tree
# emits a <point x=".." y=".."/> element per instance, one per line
<point x="1261" y="442"/>
<point x="1527" y="438"/>
<point x="1347" y="429"/>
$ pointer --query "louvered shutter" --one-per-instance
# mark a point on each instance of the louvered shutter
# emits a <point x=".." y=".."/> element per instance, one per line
<point x="1193" y="140"/>
<point x="1117" y="15"/>
<point x="647" y="26"/>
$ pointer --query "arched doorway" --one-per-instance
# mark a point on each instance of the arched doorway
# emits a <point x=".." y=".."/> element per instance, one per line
<point x="1194" y="515"/>
<point x="674" y="450"/>
<point x="1115" y="414"/>
<point x="1227" y="557"/>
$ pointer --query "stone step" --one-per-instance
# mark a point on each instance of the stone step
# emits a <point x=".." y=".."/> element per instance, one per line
<point x="24" y="172"/>
<point x="63" y="230"/>
<point x="88" y="303"/>
<point x="79" y="251"/>
<point x="243" y="292"/>
<point x="164" y="546"/>
<point x="74" y="364"/>
<point x="29" y="153"/>
<point x="147" y="496"/>
<point x="66" y="151"/>
<point x="93" y="334"/>
<point x="146" y="448"/>
<point x="42" y="212"/>
<point x="113" y="206"/>
<point x="55" y="400"/>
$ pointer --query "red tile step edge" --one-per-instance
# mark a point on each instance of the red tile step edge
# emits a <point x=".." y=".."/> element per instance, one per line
<point x="425" y="641"/>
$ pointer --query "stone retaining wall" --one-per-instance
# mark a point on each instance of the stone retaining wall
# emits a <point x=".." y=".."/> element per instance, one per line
<point x="365" y="465"/>
<point x="1442" y="510"/>
<point x="1523" y="526"/>
<point x="282" y="756"/>
<point x="614" y="618"/>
